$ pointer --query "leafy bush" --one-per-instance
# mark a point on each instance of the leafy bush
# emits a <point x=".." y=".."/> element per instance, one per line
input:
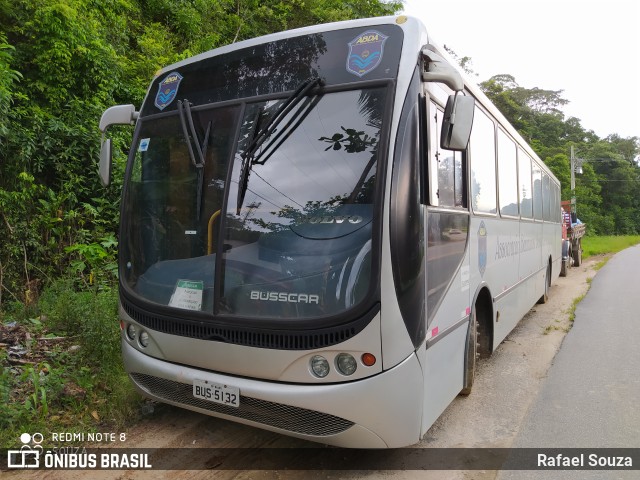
<point x="68" y="364"/>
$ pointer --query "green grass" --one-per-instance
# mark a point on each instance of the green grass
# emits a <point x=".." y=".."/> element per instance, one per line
<point x="607" y="244"/>
<point x="574" y="305"/>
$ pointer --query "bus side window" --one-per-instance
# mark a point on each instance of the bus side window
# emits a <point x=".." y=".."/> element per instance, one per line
<point x="507" y="175"/>
<point x="483" y="164"/>
<point x="546" y="198"/>
<point x="537" y="191"/>
<point x="526" y="201"/>
<point x="447" y="173"/>
<point x="557" y="216"/>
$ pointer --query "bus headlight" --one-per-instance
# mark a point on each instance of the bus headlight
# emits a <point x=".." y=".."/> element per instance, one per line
<point x="131" y="331"/>
<point x="144" y="339"/>
<point x="346" y="364"/>
<point x="319" y="366"/>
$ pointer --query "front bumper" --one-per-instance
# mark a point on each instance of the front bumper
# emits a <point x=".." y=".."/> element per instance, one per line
<point x="383" y="411"/>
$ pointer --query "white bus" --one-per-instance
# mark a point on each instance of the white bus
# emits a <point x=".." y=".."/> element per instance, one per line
<point x="313" y="243"/>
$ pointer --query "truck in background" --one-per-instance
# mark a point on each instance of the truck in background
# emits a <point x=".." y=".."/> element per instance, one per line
<point x="572" y="232"/>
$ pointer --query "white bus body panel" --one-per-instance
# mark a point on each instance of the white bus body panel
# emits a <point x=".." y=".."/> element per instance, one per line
<point x="385" y="408"/>
<point x="444" y="374"/>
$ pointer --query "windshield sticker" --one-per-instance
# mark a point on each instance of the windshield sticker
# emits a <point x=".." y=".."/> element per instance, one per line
<point x="365" y="52"/>
<point x="144" y="145"/>
<point x="168" y="90"/>
<point x="187" y="295"/>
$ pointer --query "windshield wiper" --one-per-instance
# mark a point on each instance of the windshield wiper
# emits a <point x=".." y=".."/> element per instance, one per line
<point x="191" y="137"/>
<point x="256" y="150"/>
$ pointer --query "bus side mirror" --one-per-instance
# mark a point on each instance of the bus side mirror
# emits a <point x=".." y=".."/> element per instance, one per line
<point x="457" y="122"/>
<point x="105" y="162"/>
<point x="117" y="115"/>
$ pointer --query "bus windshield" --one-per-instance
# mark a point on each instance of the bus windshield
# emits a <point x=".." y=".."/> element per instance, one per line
<point x="298" y="245"/>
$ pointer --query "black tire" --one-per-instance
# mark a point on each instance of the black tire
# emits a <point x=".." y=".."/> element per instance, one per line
<point x="564" y="267"/>
<point x="471" y="354"/>
<point x="547" y="284"/>
<point x="577" y="254"/>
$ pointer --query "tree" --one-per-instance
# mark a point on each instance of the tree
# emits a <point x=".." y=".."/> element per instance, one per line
<point x="604" y="191"/>
<point x="7" y="78"/>
<point x="62" y="63"/>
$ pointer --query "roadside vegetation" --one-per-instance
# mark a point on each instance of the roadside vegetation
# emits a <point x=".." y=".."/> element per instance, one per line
<point x="61" y="365"/>
<point x="62" y="62"/>
<point x="601" y="245"/>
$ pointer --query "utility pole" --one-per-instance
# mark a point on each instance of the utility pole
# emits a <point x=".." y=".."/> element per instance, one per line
<point x="576" y="167"/>
<point x="573" y="181"/>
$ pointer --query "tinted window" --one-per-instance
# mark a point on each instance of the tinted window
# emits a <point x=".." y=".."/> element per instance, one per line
<point x="524" y="179"/>
<point x="546" y="197"/>
<point x="282" y="65"/>
<point x="450" y="183"/>
<point x="297" y="244"/>
<point x="483" y="169"/>
<point x="507" y="175"/>
<point x="169" y="203"/>
<point x="536" y="175"/>
<point x="555" y="205"/>
<point x="300" y="242"/>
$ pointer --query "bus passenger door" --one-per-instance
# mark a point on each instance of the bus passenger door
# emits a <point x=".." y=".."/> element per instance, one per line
<point x="447" y="268"/>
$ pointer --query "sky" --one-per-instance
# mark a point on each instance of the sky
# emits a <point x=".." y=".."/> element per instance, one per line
<point x="590" y="49"/>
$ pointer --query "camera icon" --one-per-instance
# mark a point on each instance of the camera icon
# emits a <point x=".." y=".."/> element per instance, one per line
<point x="27" y="456"/>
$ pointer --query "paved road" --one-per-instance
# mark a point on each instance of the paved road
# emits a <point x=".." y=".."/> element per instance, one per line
<point x="591" y="396"/>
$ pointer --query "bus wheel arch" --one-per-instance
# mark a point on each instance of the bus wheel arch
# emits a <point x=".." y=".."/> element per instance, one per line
<point x="483" y="305"/>
<point x="547" y="284"/>
<point x="479" y="336"/>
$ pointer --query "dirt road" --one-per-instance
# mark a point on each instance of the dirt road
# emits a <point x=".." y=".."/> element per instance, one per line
<point x="505" y="387"/>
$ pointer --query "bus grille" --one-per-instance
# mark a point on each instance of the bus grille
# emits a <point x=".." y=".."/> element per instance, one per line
<point x="252" y="337"/>
<point x="286" y="417"/>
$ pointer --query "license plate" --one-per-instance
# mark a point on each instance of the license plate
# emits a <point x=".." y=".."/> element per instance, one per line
<point x="216" y="393"/>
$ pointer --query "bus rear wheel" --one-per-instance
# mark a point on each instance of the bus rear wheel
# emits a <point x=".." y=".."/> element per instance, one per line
<point x="471" y="354"/>
<point x="547" y="284"/>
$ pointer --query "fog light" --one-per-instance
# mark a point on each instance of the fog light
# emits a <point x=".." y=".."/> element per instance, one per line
<point x="144" y="339"/>
<point x="319" y="366"/>
<point x="131" y="331"/>
<point x="346" y="364"/>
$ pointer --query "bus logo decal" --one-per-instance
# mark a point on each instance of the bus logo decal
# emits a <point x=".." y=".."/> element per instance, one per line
<point x="168" y="90"/>
<point x="482" y="248"/>
<point x="365" y="52"/>
<point x="284" y="297"/>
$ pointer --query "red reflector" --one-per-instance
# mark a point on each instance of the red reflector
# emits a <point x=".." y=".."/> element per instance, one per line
<point x="368" y="359"/>
<point x="121" y="325"/>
